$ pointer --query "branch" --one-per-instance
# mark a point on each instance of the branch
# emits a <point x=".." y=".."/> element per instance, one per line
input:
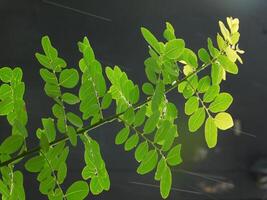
<point x="100" y="123"/>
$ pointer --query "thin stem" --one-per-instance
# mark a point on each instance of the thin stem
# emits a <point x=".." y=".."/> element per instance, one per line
<point x="54" y="175"/>
<point x="144" y="137"/>
<point x="100" y="123"/>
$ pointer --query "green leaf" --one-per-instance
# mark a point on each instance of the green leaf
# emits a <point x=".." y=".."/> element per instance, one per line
<point x="228" y="65"/>
<point x="43" y="60"/>
<point x="58" y="111"/>
<point x="106" y="101"/>
<point x="70" y="98"/>
<point x="203" y="84"/>
<point x="131" y="142"/>
<point x="191" y="105"/>
<point x="77" y="191"/>
<point x="169" y="32"/>
<point x="11" y="144"/>
<point x="69" y="78"/>
<point x="62" y="172"/>
<point x="148" y="89"/>
<point x="150" y="38"/>
<point x="47" y="185"/>
<point x="48" y="76"/>
<point x="44" y="143"/>
<point x="224" y="31"/>
<point x="217" y="73"/>
<point x="150" y="69"/>
<point x="203" y="55"/>
<point x="74" y="119"/>
<point x="35" y="164"/>
<point x="95" y="186"/>
<point x="6" y="74"/>
<point x="140" y="116"/>
<point x="3" y="189"/>
<point x="224" y="121"/>
<point x="189" y="57"/>
<point x="211" y="132"/>
<point x="171" y="111"/>
<point x="49" y="50"/>
<point x="86" y="49"/>
<point x="174" y="48"/>
<point x="149" y="162"/>
<point x="6" y="106"/>
<point x="129" y="116"/>
<point x="174" y="156"/>
<point x="134" y="95"/>
<point x="166" y="182"/>
<point x="141" y="151"/>
<point x="52" y="90"/>
<point x="196" y="120"/>
<point x="122" y="136"/>
<point x="5" y="91"/>
<point x="49" y="128"/>
<point x="158" y="96"/>
<point x="151" y="123"/>
<point x="160" y="168"/>
<point x="213" y="51"/>
<point x="221" y="43"/>
<point x="221" y="103"/>
<point x="71" y="132"/>
<point x="211" y="93"/>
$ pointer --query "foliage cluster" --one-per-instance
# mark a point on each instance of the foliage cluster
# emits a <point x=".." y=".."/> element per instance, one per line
<point x="149" y="127"/>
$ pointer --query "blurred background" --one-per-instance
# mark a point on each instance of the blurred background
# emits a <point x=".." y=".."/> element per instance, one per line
<point x="235" y="169"/>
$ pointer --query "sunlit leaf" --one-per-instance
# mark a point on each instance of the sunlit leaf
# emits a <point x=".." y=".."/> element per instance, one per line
<point x="211" y="132"/>
<point x="224" y="121"/>
<point x="196" y="120"/>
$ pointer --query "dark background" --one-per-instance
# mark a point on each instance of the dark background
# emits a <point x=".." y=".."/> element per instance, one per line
<point x="221" y="173"/>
